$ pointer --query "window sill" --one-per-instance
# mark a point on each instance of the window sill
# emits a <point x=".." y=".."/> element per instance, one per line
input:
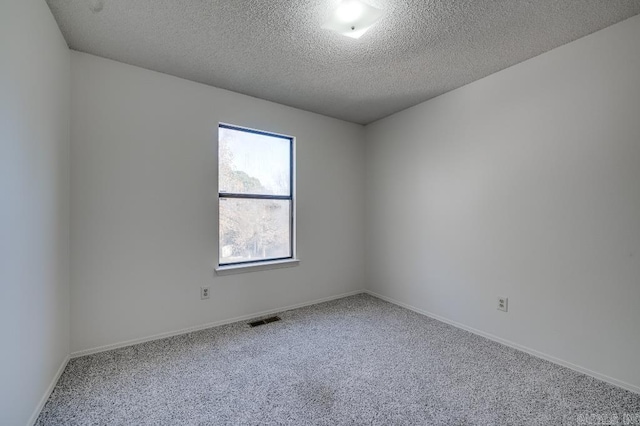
<point x="262" y="266"/>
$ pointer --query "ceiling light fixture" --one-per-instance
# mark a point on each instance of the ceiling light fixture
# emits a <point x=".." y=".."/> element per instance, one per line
<point x="353" y="18"/>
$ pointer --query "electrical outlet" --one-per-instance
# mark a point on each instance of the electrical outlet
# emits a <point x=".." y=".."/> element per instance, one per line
<point x="204" y="293"/>
<point x="503" y="303"/>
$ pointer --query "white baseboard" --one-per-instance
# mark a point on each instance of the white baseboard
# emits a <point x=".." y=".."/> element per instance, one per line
<point x="63" y="365"/>
<point x="538" y="354"/>
<point x="208" y="325"/>
<point x="47" y="393"/>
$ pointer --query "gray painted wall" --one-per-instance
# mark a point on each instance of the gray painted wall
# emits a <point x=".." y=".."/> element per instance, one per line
<point x="524" y="184"/>
<point x="34" y="212"/>
<point x="144" y="205"/>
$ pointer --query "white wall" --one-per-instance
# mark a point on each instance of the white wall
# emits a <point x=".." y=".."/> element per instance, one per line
<point x="144" y="205"/>
<point x="524" y="184"/>
<point x="34" y="214"/>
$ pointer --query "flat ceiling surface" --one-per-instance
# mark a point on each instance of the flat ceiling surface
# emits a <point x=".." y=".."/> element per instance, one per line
<point x="277" y="50"/>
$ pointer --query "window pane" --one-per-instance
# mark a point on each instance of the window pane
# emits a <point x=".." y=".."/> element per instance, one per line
<point x="253" y="230"/>
<point x="253" y="164"/>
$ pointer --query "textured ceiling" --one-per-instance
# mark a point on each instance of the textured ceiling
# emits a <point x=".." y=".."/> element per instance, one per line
<point x="277" y="50"/>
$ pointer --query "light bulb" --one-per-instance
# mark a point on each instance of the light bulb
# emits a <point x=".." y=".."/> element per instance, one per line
<point x="349" y="11"/>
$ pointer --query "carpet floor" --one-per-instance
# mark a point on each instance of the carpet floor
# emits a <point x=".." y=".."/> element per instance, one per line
<point x="357" y="361"/>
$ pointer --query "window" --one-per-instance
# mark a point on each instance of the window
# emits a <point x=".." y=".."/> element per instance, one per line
<point x="255" y="196"/>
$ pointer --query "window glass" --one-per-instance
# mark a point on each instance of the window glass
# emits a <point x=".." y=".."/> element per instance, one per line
<point x="254" y="230"/>
<point x="253" y="163"/>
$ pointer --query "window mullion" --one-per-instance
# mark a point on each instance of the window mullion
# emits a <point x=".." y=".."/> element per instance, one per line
<point x="254" y="196"/>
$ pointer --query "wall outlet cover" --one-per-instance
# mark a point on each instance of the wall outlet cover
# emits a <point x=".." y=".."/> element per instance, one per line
<point x="503" y="303"/>
<point x="204" y="292"/>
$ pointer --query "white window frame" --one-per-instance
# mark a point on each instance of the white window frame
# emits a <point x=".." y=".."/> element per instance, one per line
<point x="259" y="265"/>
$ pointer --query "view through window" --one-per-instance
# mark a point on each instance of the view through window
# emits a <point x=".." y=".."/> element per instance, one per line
<point x="255" y="186"/>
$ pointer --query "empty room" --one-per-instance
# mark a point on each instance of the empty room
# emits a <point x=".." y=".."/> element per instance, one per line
<point x="329" y="212"/>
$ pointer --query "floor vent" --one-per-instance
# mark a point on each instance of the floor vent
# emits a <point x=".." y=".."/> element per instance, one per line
<point x="264" y="321"/>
